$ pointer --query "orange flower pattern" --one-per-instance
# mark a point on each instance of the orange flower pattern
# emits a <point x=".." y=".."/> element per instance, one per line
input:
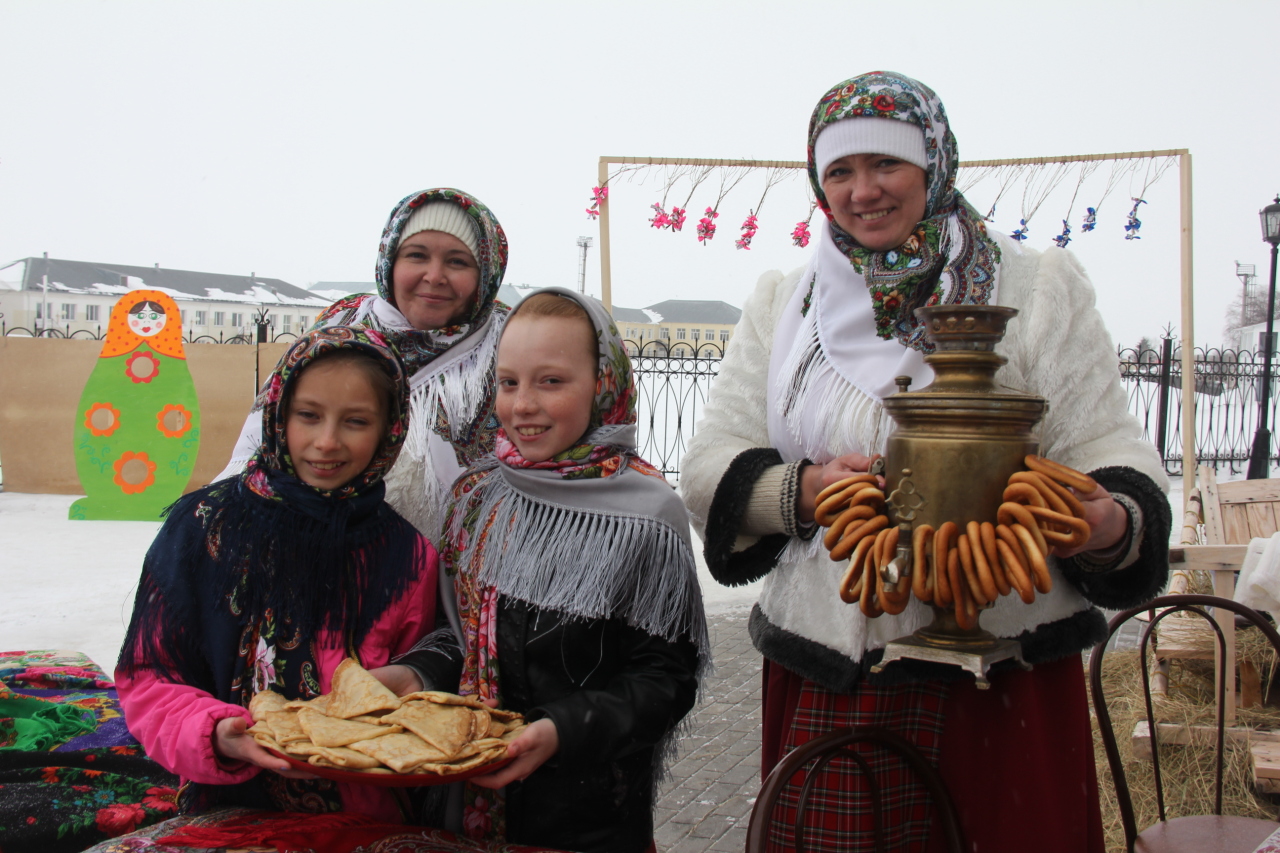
<point x="135" y="473"/>
<point x="102" y="419"/>
<point x="174" y="420"/>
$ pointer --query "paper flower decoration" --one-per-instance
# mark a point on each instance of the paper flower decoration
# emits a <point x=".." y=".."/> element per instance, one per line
<point x="707" y="226"/>
<point x="598" y="196"/>
<point x="748" y="231"/>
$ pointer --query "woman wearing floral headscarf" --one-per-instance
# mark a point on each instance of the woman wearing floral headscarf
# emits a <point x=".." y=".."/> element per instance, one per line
<point x="440" y="265"/>
<point x="797" y="406"/>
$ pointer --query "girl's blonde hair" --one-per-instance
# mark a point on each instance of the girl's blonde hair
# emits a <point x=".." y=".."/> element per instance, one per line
<point x="554" y="305"/>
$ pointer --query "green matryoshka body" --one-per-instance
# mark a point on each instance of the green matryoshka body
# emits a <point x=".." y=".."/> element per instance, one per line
<point x="137" y="429"/>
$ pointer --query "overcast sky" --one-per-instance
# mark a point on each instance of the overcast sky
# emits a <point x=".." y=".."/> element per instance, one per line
<point x="275" y="137"/>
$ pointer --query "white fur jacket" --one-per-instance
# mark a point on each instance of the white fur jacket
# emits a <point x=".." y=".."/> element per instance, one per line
<point x="1059" y="349"/>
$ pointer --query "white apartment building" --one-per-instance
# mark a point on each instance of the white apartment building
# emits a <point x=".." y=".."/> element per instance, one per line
<point x="76" y="296"/>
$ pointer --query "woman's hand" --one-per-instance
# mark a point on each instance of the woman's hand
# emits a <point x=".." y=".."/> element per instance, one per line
<point x="232" y="742"/>
<point x="531" y="750"/>
<point x="400" y="680"/>
<point x="1108" y="523"/>
<point x="815" y="478"/>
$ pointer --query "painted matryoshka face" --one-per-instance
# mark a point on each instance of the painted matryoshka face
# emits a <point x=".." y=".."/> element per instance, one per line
<point x="146" y="320"/>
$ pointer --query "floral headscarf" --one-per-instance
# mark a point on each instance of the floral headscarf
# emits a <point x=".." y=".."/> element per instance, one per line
<point x="949" y="259"/>
<point x="611" y="430"/>
<point x="273" y="454"/>
<point x="420" y="347"/>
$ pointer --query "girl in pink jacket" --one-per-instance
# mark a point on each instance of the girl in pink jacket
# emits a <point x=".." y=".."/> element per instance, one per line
<point x="269" y="579"/>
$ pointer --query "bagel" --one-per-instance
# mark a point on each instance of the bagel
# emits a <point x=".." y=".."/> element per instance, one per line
<point x="921" y="554"/>
<point x="1017" y="573"/>
<point x="990" y="592"/>
<point x="851" y="538"/>
<point x="1035" y="559"/>
<point x="1078" y="480"/>
<point x="942" y="594"/>
<point x="842" y="521"/>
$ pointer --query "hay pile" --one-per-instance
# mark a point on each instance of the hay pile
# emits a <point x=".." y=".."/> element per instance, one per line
<point x="1187" y="771"/>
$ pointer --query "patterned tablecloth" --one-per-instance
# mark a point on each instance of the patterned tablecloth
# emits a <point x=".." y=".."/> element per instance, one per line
<point x="95" y="785"/>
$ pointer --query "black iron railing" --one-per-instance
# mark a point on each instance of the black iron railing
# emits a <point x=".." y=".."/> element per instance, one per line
<point x="674" y="379"/>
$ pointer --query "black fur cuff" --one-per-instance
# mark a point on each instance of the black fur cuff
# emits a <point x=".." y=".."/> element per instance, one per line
<point x="1145" y="577"/>
<point x="724" y="520"/>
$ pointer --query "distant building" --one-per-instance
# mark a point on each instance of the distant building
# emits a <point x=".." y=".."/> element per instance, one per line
<point x="678" y="327"/>
<point x="79" y="296"/>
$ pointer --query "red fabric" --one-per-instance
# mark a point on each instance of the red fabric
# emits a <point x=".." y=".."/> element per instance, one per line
<point x="327" y="833"/>
<point x="840" y="813"/>
<point x="1017" y="759"/>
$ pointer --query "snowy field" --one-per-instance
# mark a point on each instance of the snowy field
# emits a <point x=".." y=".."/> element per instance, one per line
<point x="70" y="584"/>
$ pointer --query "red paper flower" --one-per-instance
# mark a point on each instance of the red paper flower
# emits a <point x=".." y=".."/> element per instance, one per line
<point x="134" y="472"/>
<point x="142" y="367"/>
<point x="119" y="818"/>
<point x="174" y="421"/>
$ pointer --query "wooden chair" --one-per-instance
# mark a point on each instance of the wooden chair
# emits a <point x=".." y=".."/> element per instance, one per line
<point x="1185" y="834"/>
<point x="1232" y="514"/>
<point x="822" y="751"/>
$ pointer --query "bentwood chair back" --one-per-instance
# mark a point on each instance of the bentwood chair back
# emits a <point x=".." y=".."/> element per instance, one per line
<point x="821" y="752"/>
<point x="1216" y="832"/>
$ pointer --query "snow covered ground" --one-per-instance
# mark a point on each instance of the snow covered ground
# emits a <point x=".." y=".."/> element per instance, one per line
<point x="70" y="584"/>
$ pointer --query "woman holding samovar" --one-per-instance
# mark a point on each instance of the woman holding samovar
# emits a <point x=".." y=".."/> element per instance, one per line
<point x="798" y="406"/>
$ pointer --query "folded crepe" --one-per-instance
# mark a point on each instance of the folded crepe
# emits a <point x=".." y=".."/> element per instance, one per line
<point x="446" y="727"/>
<point x="354" y="692"/>
<point x="401" y="752"/>
<point x="331" y="731"/>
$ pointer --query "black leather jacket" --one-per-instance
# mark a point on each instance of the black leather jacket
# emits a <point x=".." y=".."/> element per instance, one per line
<point x="613" y="692"/>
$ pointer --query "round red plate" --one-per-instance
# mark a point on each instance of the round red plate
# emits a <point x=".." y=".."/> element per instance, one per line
<point x="390" y="780"/>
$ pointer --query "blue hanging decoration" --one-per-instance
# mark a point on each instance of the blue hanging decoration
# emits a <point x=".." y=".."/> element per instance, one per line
<point x="1064" y="238"/>
<point x="1131" y="227"/>
<point x="991" y="214"/>
<point x="1020" y="233"/>
<point x="1090" y="219"/>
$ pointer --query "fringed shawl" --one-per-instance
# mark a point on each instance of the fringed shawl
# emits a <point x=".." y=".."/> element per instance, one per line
<point x="595" y="532"/>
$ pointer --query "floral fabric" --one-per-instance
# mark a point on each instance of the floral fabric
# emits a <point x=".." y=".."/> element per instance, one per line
<point x="949" y="259"/>
<point x="94" y="786"/>
<point x="388" y="839"/>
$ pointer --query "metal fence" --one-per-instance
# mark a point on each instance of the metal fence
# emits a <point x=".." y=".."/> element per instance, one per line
<point x="674" y="378"/>
<point x="263" y="334"/>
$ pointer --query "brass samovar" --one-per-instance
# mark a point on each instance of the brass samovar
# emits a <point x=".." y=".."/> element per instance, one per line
<point x="955" y="445"/>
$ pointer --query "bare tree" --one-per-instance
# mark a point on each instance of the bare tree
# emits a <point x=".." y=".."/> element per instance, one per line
<point x="1241" y="313"/>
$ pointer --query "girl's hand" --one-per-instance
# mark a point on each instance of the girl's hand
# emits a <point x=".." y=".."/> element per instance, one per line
<point x="400" y="680"/>
<point x="232" y="742"/>
<point x="1108" y="523"/>
<point x="815" y="478"/>
<point x="531" y="750"/>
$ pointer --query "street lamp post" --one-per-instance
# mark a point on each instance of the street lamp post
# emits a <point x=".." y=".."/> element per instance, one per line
<point x="1259" y="458"/>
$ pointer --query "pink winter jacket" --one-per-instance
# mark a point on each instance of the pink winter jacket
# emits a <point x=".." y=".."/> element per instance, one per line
<point x="175" y="722"/>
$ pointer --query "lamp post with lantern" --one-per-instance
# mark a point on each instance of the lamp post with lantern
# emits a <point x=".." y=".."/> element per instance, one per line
<point x="1259" y="458"/>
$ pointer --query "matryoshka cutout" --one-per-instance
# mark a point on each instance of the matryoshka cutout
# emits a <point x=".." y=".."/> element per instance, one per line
<point x="137" y="428"/>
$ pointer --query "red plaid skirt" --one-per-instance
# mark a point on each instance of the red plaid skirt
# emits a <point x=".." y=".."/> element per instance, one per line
<point x="1017" y="760"/>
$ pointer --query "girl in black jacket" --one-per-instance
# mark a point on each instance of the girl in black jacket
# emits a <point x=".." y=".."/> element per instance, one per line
<point x="577" y="590"/>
